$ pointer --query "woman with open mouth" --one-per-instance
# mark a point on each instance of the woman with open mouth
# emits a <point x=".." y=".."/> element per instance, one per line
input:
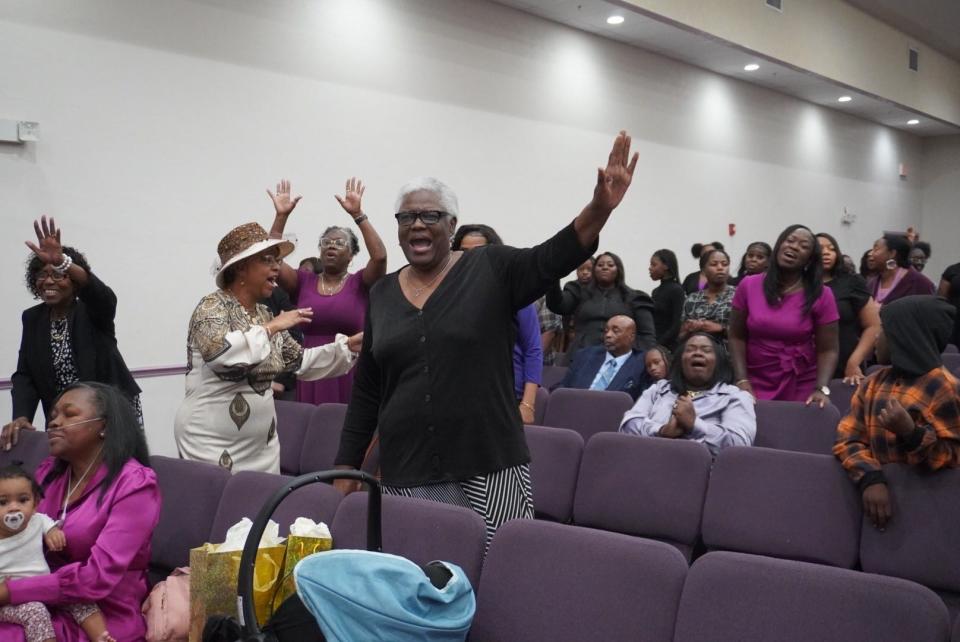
<point x="69" y="337"/>
<point x="436" y="371"/>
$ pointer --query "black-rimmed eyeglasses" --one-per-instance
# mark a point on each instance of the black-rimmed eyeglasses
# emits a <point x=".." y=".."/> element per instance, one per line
<point x="430" y="217"/>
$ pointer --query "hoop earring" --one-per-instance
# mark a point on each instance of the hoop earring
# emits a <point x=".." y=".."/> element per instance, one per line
<point x="891" y="264"/>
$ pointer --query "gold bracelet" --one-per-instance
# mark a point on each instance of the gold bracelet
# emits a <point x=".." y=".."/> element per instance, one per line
<point x="526" y="405"/>
<point x="742" y="381"/>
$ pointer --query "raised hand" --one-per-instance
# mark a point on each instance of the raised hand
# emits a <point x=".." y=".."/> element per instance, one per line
<point x="288" y="319"/>
<point x="48" y="249"/>
<point x="614" y="180"/>
<point x="282" y="202"/>
<point x="351" y="200"/>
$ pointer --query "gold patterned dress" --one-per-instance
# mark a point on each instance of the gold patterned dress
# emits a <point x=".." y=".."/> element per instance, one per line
<point x="228" y="416"/>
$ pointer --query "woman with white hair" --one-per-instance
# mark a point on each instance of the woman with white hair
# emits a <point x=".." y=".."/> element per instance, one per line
<point x="435" y="374"/>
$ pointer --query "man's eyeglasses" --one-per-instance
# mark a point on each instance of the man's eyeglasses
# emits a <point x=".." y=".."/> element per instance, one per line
<point x="430" y="217"/>
<point x="340" y="244"/>
<point x="56" y="276"/>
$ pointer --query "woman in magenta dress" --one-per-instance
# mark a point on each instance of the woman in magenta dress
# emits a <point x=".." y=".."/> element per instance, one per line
<point x="337" y="297"/>
<point x="98" y="483"/>
<point x="783" y="325"/>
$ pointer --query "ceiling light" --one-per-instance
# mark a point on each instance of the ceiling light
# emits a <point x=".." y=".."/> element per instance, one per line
<point x="844" y="99"/>
<point x="615" y="20"/>
<point x="751" y="67"/>
<point x="913" y="121"/>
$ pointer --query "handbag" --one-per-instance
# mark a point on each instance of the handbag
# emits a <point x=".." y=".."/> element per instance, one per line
<point x="167" y="608"/>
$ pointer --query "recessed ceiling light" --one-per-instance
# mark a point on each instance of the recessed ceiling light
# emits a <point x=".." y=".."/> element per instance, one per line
<point x="615" y="20"/>
<point x="913" y="121"/>
<point x="751" y="67"/>
<point x="844" y="99"/>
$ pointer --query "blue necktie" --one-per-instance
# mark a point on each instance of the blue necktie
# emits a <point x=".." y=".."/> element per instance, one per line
<point x="606" y="376"/>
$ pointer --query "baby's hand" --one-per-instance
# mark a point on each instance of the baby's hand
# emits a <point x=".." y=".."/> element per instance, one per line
<point x="55" y="539"/>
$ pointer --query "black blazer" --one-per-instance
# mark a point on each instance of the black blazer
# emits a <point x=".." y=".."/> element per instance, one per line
<point x="632" y="378"/>
<point x="95" y="351"/>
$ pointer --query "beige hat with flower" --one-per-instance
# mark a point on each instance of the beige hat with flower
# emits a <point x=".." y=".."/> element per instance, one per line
<point x="243" y="242"/>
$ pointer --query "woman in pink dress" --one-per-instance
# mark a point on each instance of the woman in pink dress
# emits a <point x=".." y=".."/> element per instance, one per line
<point x="99" y="485"/>
<point x="337" y="297"/>
<point x="783" y="325"/>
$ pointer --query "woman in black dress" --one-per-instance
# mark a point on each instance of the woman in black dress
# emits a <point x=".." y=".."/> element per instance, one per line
<point x="667" y="297"/>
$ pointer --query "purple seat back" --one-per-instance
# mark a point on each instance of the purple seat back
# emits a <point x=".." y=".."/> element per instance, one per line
<point x="749" y="598"/>
<point x="921" y="542"/>
<point x="322" y="438"/>
<point x="554" y="465"/>
<point x="543" y="400"/>
<point x="782" y="504"/>
<point x="951" y="349"/>
<point x="31" y="449"/>
<point x="292" y="420"/>
<point x="552" y="375"/>
<point x="247" y="492"/>
<point x="420" y="530"/>
<point x="643" y="486"/>
<point x="951" y="361"/>
<point x="840" y="396"/>
<point x="191" y="492"/>
<point x="587" y="411"/>
<point x="547" y="582"/>
<point x="790" y="425"/>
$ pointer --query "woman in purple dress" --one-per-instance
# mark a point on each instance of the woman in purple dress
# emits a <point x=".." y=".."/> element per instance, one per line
<point x="894" y="277"/>
<point x="337" y="297"/>
<point x="99" y="484"/>
<point x="783" y="325"/>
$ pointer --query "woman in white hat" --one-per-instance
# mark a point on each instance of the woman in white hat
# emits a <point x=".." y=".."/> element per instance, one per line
<point x="236" y="348"/>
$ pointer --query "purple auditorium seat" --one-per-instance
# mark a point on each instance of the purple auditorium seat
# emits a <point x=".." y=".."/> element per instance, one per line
<point x="952" y="363"/>
<point x="191" y="492"/>
<point x="554" y="465"/>
<point x="840" y="396"/>
<point x="292" y="420"/>
<point x="871" y="369"/>
<point x="322" y="438"/>
<point x="921" y="542"/>
<point x="418" y="529"/>
<point x="550" y="582"/>
<point x="543" y="400"/>
<point x="951" y="349"/>
<point x="749" y="598"/>
<point x="247" y="492"/>
<point x="643" y="486"/>
<point x="31" y="449"/>
<point x="553" y="375"/>
<point x="587" y="411"/>
<point x="956" y="630"/>
<point x="790" y="425"/>
<point x="782" y="504"/>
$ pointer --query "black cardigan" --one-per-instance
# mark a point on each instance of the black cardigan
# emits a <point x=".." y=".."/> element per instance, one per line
<point x="95" y="352"/>
<point x="438" y="382"/>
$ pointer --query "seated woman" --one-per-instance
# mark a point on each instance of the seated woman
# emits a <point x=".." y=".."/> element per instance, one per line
<point x="908" y="412"/>
<point x="698" y="402"/>
<point x="99" y="485"/>
<point x="708" y="310"/>
<point x="656" y="361"/>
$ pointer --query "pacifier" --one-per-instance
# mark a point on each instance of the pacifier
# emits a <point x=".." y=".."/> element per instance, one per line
<point x="14" y="520"/>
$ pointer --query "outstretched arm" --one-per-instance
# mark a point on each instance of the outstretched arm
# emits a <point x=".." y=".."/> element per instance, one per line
<point x="283" y="204"/>
<point x="612" y="184"/>
<point x="351" y="203"/>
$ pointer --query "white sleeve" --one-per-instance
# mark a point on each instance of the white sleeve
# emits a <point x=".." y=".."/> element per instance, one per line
<point x="326" y="361"/>
<point x="639" y="419"/>
<point x="46" y="522"/>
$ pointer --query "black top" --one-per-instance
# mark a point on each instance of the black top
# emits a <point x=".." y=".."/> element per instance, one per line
<point x="279" y="301"/>
<point x="691" y="283"/>
<point x="592" y="306"/>
<point x="438" y="382"/>
<point x="952" y="276"/>
<point x="668" y="300"/>
<point x="851" y="293"/>
<point x="95" y="351"/>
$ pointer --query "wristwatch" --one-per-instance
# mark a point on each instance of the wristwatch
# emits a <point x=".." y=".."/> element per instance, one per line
<point x="825" y="390"/>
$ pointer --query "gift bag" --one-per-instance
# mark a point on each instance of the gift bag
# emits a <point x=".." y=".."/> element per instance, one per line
<point x="306" y="538"/>
<point x="213" y="576"/>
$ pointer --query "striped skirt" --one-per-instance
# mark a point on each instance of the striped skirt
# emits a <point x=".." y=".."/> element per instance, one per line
<point x="498" y="497"/>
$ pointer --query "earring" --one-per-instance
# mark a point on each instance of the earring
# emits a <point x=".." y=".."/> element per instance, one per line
<point x="102" y="435"/>
<point x="891" y="264"/>
<point x="242" y="282"/>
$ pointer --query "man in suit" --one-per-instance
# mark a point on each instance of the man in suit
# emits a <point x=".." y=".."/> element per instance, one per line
<point x="615" y="365"/>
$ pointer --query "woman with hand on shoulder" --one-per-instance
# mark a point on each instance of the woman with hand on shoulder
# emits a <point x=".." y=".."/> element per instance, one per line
<point x="783" y="325"/>
<point x="236" y="348"/>
<point x="337" y="298"/>
<point x="70" y="336"/>
<point x="859" y="323"/>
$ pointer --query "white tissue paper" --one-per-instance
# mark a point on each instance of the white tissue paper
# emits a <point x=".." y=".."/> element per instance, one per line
<point x="237" y="536"/>
<point x="306" y="527"/>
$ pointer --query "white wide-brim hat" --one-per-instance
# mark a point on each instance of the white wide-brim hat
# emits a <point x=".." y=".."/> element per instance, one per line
<point x="243" y="242"/>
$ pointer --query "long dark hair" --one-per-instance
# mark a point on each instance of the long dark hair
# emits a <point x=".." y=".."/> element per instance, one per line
<point x="901" y="245"/>
<point x="620" y="283"/>
<point x="722" y="372"/>
<point x="812" y="273"/>
<point x="668" y="258"/>
<point x="34" y="265"/>
<point x="123" y="438"/>
<point x="485" y="231"/>
<point x="838" y="269"/>
<point x="742" y="270"/>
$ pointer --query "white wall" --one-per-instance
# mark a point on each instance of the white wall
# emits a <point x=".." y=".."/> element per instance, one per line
<point x="941" y="202"/>
<point x="162" y="123"/>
